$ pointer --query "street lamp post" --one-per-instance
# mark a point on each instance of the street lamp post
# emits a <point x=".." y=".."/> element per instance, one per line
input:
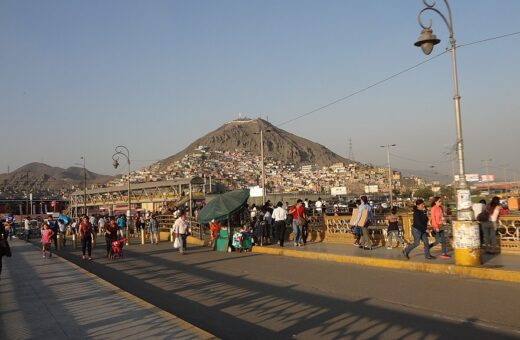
<point x="465" y="232"/>
<point x="486" y="164"/>
<point x="84" y="186"/>
<point x="122" y="150"/>
<point x="388" y="146"/>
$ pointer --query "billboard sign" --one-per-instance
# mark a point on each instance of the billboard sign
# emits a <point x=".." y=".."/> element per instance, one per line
<point x="488" y="178"/>
<point x="369" y="189"/>
<point x="255" y="191"/>
<point x="469" y="178"/>
<point x="337" y="191"/>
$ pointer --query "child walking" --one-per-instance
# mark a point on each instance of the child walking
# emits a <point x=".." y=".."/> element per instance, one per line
<point x="47" y="234"/>
<point x="393" y="229"/>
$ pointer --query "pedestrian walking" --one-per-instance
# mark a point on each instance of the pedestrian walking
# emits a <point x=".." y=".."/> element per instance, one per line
<point x="53" y="224"/>
<point x="393" y="229"/>
<point x="214" y="230"/>
<point x="318" y="205"/>
<point x="356" y="231"/>
<point x="101" y="225"/>
<point x="269" y="225"/>
<point x="110" y="236"/>
<point x="121" y="225"/>
<point x="438" y="224"/>
<point x="5" y="250"/>
<point x="61" y="230"/>
<point x="27" y="228"/>
<point x="490" y="226"/>
<point x="280" y="217"/>
<point x="180" y="229"/>
<point x="47" y="235"/>
<point x="154" y="230"/>
<point x="419" y="230"/>
<point x="363" y="221"/>
<point x="85" y="232"/>
<point x="10" y="222"/>
<point x="478" y="208"/>
<point x="298" y="213"/>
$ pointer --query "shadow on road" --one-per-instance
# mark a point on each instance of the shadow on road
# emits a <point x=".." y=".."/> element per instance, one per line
<point x="235" y="306"/>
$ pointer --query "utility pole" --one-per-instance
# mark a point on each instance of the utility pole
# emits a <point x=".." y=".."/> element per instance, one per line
<point x="261" y="133"/>
<point x="350" y="150"/>
<point x="387" y="146"/>
<point x="504" y="168"/>
<point x="486" y="164"/>
<point x="263" y="165"/>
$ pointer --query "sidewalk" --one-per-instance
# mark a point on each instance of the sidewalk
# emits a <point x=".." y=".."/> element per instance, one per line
<point x="51" y="298"/>
<point x="499" y="267"/>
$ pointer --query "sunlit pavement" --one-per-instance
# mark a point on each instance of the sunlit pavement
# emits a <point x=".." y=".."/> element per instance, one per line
<point x="50" y="298"/>
<point x="250" y="295"/>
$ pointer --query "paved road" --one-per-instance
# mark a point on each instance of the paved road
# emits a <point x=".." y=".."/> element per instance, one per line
<point x="264" y="296"/>
<point x="50" y="298"/>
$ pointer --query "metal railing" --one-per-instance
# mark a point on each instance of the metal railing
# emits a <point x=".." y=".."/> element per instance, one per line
<point x="336" y="229"/>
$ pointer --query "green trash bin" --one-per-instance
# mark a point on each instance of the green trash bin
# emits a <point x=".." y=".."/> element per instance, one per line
<point x="223" y="241"/>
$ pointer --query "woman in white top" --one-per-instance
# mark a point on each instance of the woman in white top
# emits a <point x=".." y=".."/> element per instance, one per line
<point x="490" y="227"/>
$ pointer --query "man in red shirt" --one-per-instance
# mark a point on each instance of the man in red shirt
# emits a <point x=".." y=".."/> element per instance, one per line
<point x="298" y="213"/>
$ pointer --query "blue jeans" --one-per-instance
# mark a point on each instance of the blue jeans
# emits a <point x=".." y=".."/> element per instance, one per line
<point x="419" y="236"/>
<point x="297" y="230"/>
<point x="390" y="235"/>
<point x="440" y="237"/>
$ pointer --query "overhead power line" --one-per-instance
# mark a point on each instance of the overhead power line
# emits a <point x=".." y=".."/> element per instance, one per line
<point x="391" y="77"/>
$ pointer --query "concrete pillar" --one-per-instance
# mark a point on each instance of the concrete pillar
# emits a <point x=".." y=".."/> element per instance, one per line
<point x="466" y="243"/>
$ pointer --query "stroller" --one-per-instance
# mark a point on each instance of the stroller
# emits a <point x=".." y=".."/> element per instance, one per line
<point x="117" y="248"/>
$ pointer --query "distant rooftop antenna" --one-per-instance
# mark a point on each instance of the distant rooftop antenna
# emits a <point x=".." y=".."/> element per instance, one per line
<point x="350" y="150"/>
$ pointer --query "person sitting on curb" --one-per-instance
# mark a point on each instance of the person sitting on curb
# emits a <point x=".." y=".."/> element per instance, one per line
<point x="419" y="230"/>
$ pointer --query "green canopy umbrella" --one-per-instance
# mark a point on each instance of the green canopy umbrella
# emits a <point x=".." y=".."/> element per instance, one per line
<point x="222" y="206"/>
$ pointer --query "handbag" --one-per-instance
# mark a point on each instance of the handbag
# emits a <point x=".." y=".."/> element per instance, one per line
<point x="176" y="243"/>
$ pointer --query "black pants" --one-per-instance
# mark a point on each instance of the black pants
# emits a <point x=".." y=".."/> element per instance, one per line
<point x="86" y="243"/>
<point x="109" y="241"/>
<point x="64" y="239"/>
<point x="184" y="242"/>
<point x="305" y="232"/>
<point x="280" y="231"/>
<point x="55" y="239"/>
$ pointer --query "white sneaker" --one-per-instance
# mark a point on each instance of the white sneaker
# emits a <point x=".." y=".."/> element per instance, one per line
<point x="388" y="247"/>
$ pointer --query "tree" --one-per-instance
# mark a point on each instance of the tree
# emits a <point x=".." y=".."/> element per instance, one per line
<point x="424" y="193"/>
<point x="448" y="192"/>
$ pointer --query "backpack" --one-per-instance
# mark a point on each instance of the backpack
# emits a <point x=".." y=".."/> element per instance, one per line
<point x="483" y="216"/>
<point x="289" y="218"/>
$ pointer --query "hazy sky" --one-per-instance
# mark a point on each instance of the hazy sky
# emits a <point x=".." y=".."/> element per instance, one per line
<point x="80" y="77"/>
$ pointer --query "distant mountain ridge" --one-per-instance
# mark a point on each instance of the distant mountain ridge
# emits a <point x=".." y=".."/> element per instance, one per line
<point x="243" y="135"/>
<point x="35" y="177"/>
